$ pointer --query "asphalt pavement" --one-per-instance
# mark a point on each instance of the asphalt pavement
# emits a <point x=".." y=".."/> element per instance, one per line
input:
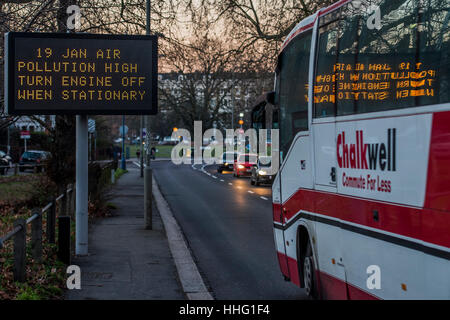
<point x="228" y="226"/>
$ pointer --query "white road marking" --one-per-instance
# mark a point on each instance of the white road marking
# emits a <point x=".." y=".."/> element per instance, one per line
<point x="264" y="198"/>
<point x="239" y="187"/>
<point x="221" y="180"/>
<point x="249" y="191"/>
<point x="138" y="164"/>
<point x="230" y="183"/>
<point x="214" y="177"/>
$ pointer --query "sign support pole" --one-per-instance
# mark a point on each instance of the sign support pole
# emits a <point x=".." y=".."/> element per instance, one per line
<point x="123" y="165"/>
<point x="141" y="147"/>
<point x="81" y="246"/>
<point x="147" y="171"/>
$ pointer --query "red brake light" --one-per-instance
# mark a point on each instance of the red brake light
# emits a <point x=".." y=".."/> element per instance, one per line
<point x="38" y="160"/>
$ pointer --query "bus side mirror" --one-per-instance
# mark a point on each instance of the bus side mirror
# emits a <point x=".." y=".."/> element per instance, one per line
<point x="270" y="97"/>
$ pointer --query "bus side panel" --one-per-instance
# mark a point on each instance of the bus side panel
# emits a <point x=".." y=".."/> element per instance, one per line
<point x="436" y="221"/>
<point x="437" y="225"/>
<point x="295" y="174"/>
<point x="278" y="233"/>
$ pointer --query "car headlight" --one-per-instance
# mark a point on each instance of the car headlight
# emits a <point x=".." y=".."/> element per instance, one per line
<point x="226" y="163"/>
<point x="262" y="172"/>
<point x="240" y="166"/>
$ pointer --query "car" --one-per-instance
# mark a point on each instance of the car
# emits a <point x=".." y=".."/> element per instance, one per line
<point x="244" y="164"/>
<point x="33" y="159"/>
<point x="262" y="172"/>
<point x="4" y="165"/>
<point x="227" y="162"/>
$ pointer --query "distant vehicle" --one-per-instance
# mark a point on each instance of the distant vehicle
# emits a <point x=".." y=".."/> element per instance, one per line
<point x="226" y="164"/>
<point x="244" y="164"/>
<point x="5" y="156"/>
<point x="169" y="141"/>
<point x="33" y="159"/>
<point x="4" y="164"/>
<point x="261" y="172"/>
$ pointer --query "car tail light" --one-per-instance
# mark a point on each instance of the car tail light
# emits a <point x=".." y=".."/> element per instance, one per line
<point x="38" y="161"/>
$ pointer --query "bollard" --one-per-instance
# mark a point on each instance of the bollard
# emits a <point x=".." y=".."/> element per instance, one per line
<point x="51" y="217"/>
<point x="36" y="235"/>
<point x="148" y="198"/>
<point x="64" y="239"/>
<point x="20" y="250"/>
<point x="113" y="177"/>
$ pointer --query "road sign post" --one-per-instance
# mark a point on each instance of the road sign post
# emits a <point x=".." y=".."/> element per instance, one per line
<point x="124" y="162"/>
<point x="25" y="135"/>
<point x="148" y="171"/>
<point x="81" y="215"/>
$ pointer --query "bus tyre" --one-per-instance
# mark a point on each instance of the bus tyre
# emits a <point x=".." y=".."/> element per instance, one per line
<point x="309" y="273"/>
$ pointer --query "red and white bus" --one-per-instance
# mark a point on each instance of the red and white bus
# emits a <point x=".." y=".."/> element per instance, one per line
<point x="361" y="204"/>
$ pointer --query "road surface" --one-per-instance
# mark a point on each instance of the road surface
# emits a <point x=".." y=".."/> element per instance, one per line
<point x="228" y="225"/>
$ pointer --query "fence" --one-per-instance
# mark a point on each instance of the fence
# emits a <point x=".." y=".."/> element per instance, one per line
<point x="19" y="232"/>
<point x="16" y="167"/>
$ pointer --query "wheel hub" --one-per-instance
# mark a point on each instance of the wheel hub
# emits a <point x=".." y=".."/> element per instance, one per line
<point x="307" y="275"/>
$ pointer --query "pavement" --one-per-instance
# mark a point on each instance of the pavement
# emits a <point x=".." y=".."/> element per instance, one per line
<point x="126" y="261"/>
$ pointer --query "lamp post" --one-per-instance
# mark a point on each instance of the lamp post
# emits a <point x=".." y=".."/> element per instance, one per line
<point x="124" y="163"/>
<point x="148" y="171"/>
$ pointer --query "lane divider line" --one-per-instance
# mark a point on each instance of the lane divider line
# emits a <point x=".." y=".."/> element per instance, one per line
<point x="191" y="281"/>
<point x="264" y="198"/>
<point x="249" y="191"/>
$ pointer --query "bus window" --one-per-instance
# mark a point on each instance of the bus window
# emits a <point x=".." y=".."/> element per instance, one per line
<point x="293" y="95"/>
<point x="386" y="56"/>
<point x="403" y="62"/>
<point x="434" y="44"/>
<point x="324" y="102"/>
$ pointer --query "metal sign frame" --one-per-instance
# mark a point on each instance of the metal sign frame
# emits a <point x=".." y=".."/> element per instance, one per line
<point x="49" y="109"/>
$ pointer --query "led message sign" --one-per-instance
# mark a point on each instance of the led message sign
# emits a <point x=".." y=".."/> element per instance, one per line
<point x="374" y="82"/>
<point x="50" y="73"/>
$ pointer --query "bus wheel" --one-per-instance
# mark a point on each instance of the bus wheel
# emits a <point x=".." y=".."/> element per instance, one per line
<point x="308" y="273"/>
